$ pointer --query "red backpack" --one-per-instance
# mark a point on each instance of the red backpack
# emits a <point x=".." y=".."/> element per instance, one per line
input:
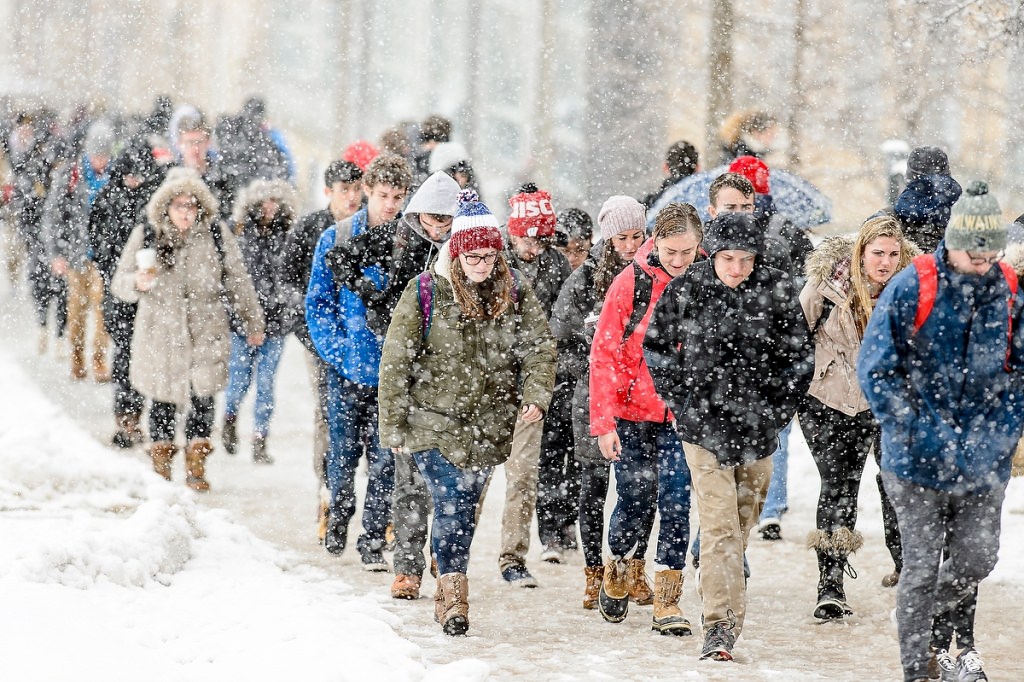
<point x="928" y="287"/>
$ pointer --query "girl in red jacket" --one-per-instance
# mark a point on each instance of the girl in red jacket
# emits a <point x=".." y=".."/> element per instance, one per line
<point x="634" y="426"/>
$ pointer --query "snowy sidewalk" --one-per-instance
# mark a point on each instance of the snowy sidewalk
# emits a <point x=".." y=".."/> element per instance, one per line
<point x="109" y="573"/>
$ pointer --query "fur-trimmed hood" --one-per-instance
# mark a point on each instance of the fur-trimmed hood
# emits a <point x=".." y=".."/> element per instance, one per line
<point x="1015" y="256"/>
<point x="821" y="263"/>
<point x="258" y="191"/>
<point x="180" y="181"/>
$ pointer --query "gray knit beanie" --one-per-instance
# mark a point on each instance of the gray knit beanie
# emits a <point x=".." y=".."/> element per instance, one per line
<point x="977" y="222"/>
<point x="619" y="214"/>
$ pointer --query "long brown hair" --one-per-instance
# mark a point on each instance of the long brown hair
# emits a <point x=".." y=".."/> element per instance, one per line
<point x="860" y="301"/>
<point x="487" y="300"/>
<point x="608" y="267"/>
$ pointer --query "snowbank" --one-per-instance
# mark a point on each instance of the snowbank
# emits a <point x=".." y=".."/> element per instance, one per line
<point x="110" y="573"/>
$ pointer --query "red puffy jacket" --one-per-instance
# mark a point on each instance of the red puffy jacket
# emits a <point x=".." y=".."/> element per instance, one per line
<point x="620" y="385"/>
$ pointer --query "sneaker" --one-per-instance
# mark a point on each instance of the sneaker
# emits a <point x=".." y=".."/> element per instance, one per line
<point x="373" y="560"/>
<point x="552" y="555"/>
<point x="969" y="666"/>
<point x="718" y="643"/>
<point x="336" y="533"/>
<point x="770" y="529"/>
<point x="518" y="576"/>
<point x="945" y="667"/>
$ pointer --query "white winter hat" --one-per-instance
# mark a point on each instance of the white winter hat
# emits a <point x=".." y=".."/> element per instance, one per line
<point x="446" y="155"/>
<point x="439" y="194"/>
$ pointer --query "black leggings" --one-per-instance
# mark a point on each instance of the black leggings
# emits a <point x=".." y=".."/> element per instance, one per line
<point x="558" y="476"/>
<point x="839" y="444"/>
<point x="198" y="423"/>
<point x="594" y="481"/>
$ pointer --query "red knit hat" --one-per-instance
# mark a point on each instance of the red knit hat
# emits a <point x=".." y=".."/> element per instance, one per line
<point x="753" y="169"/>
<point x="532" y="214"/>
<point x="473" y="227"/>
<point x="361" y="153"/>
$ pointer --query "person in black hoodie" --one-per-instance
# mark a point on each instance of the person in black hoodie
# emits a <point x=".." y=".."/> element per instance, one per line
<point x="118" y="208"/>
<point x="924" y="206"/>
<point x="729" y="351"/>
<point x="344" y="191"/>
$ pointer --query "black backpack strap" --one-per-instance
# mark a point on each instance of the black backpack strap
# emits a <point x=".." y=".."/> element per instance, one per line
<point x="643" y="290"/>
<point x="148" y="236"/>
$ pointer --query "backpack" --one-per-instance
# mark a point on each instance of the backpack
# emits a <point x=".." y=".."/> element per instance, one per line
<point x="928" y="288"/>
<point x="643" y="291"/>
<point x="425" y="296"/>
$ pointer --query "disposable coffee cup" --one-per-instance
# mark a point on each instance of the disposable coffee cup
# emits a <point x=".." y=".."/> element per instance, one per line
<point x="145" y="260"/>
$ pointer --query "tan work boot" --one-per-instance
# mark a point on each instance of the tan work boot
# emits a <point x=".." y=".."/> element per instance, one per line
<point x="593" y="574"/>
<point x="668" y="618"/>
<point x="162" y="453"/>
<point x="639" y="588"/>
<point x="406" y="586"/>
<point x="78" y="363"/>
<point x="195" y="464"/>
<point x="613" y="598"/>
<point x="454" y="616"/>
<point x="100" y="369"/>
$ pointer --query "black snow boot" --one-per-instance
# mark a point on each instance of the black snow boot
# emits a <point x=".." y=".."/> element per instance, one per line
<point x="229" y="434"/>
<point x="833" y="551"/>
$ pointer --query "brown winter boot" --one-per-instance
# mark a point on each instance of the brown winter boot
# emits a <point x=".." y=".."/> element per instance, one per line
<point x="323" y="503"/>
<point x="668" y="618"/>
<point x="406" y="586"/>
<point x="613" y="598"/>
<point x="162" y="453"/>
<point x="195" y="464"/>
<point x="100" y="369"/>
<point x="593" y="575"/>
<point x="639" y="587"/>
<point x="78" y="363"/>
<point x="454" y="617"/>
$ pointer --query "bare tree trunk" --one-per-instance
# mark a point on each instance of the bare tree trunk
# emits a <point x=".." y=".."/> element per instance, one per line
<point x="798" y="99"/>
<point x="468" y="110"/>
<point x="625" y="121"/>
<point x="542" y="115"/>
<point x="720" y="102"/>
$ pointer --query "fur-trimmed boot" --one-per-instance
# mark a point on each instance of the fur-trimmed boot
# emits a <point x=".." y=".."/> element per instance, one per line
<point x="593" y="575"/>
<point x="639" y="587"/>
<point x="833" y="550"/>
<point x="195" y="464"/>
<point x="162" y="453"/>
<point x="668" y="618"/>
<point x="100" y="368"/>
<point x="454" y="616"/>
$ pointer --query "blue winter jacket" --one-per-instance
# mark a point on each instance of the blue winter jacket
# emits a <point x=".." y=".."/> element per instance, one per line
<point x="336" y="316"/>
<point x="950" y="402"/>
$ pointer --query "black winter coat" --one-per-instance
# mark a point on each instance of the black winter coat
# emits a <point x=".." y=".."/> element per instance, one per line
<point x="262" y="252"/>
<point x="300" y="245"/>
<point x="732" y="364"/>
<point x="399" y="249"/>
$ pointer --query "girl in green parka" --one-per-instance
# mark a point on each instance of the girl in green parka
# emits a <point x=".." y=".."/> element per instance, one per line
<point x="468" y="350"/>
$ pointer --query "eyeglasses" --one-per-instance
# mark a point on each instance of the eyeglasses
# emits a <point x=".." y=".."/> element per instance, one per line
<point x="984" y="260"/>
<point x="477" y="258"/>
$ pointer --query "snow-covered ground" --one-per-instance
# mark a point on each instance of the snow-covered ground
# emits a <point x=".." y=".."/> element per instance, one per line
<point x="109" y="573"/>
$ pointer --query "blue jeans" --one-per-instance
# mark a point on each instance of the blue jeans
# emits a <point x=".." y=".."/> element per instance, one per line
<point x="352" y="428"/>
<point x="651" y="471"/>
<point x="775" y="503"/>
<point x="264" y="360"/>
<point x="456" y="493"/>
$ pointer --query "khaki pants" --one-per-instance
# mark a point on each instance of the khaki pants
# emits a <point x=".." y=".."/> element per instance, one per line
<point x="520" y="493"/>
<point x="729" y="502"/>
<point x="85" y="294"/>
<point x="313" y="365"/>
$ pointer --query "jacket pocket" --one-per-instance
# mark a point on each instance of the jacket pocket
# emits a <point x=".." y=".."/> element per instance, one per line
<point x="425" y="420"/>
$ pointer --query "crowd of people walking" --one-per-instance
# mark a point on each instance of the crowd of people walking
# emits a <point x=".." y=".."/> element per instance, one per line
<point x="443" y="342"/>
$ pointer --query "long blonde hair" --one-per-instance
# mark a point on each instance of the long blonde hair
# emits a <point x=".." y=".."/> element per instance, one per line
<point x="860" y="301"/>
<point x="487" y="300"/>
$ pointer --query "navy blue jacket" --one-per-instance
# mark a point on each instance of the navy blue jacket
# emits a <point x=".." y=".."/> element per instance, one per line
<point x="951" y="412"/>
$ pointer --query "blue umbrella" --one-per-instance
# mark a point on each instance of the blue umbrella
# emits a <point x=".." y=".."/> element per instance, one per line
<point x="795" y="198"/>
